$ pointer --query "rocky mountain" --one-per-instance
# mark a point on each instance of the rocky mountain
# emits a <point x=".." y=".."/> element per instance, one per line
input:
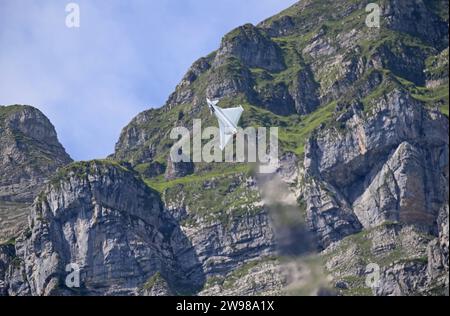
<point x="358" y="205"/>
<point x="101" y="217"/>
<point x="30" y="152"/>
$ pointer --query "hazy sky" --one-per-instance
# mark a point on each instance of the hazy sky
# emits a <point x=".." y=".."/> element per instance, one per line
<point x="127" y="56"/>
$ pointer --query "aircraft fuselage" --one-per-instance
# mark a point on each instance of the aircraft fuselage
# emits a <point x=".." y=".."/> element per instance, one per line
<point x="220" y="115"/>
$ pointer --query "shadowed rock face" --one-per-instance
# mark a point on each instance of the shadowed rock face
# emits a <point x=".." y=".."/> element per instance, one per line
<point x="418" y="19"/>
<point x="178" y="169"/>
<point x="6" y="258"/>
<point x="29" y="153"/>
<point x="102" y="218"/>
<point x="252" y="48"/>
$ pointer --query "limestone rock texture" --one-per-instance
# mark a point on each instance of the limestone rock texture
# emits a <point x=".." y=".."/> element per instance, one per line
<point x="101" y="218"/>
<point x="29" y="153"/>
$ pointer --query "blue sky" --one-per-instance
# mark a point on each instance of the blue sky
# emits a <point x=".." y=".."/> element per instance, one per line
<point x="127" y="56"/>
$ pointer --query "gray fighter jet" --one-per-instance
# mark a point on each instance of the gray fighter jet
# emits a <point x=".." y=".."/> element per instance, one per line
<point x="228" y="120"/>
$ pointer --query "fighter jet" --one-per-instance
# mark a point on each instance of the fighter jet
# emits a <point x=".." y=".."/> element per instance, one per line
<point x="228" y="120"/>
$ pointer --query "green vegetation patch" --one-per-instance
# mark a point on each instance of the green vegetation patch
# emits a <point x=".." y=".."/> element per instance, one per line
<point x="152" y="281"/>
<point x="7" y="110"/>
<point x="82" y="169"/>
<point x="160" y="184"/>
<point x="245" y="269"/>
<point x="433" y="97"/>
<point x="212" y="196"/>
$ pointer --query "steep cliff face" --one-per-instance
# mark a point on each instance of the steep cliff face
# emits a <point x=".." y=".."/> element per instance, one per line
<point x="388" y="162"/>
<point x="228" y="233"/>
<point x="384" y="177"/>
<point x="6" y="260"/>
<point x="30" y="153"/>
<point x="100" y="217"/>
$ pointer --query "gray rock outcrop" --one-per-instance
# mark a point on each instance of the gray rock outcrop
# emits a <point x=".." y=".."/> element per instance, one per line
<point x="100" y="218"/>
<point x="29" y="153"/>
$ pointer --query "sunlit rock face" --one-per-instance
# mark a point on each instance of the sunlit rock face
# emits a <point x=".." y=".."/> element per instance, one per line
<point x="29" y="154"/>
<point x="100" y="217"/>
